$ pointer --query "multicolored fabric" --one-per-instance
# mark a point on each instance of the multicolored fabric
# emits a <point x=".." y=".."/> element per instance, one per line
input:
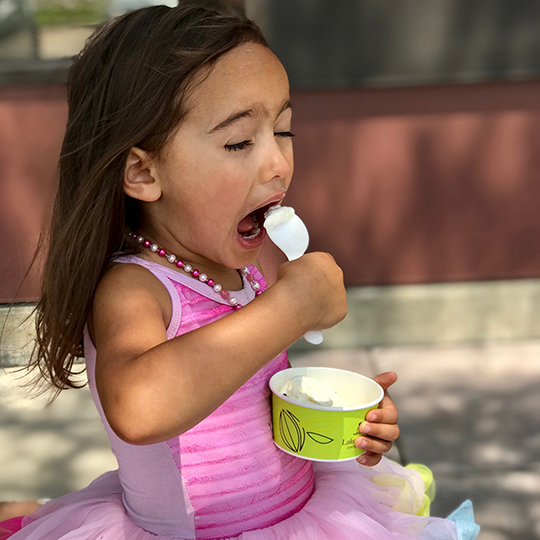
<point x="226" y="479"/>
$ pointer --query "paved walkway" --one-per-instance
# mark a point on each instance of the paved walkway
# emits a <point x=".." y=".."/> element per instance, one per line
<point x="471" y="413"/>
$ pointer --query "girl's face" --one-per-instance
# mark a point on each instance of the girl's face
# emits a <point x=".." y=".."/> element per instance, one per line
<point x="229" y="161"/>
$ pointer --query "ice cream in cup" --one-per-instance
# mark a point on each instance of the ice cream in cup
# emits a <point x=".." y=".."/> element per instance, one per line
<point x="316" y="411"/>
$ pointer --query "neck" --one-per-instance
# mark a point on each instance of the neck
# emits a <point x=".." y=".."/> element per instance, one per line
<point x="158" y="252"/>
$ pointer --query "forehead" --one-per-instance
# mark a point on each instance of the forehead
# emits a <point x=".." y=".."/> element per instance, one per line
<point x="248" y="76"/>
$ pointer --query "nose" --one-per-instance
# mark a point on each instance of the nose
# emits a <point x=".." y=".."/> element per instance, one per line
<point x="278" y="162"/>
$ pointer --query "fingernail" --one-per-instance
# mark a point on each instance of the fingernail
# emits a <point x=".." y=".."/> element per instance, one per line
<point x="362" y="461"/>
<point x="365" y="428"/>
<point x="361" y="442"/>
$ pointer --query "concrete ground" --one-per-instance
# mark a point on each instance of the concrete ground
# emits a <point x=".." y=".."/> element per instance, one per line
<point x="471" y="413"/>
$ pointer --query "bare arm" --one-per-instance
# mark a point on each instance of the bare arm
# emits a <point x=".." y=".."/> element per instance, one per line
<point x="269" y="261"/>
<point x="152" y="389"/>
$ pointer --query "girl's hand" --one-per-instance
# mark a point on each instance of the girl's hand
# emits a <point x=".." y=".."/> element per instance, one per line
<point x="315" y="283"/>
<point x="380" y="429"/>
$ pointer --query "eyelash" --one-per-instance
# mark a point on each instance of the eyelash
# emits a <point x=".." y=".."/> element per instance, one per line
<point x="244" y="144"/>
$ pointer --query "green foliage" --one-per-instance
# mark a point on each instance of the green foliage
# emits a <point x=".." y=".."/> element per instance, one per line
<point x="75" y="12"/>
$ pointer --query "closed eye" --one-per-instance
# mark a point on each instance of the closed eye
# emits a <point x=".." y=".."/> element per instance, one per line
<point x="245" y="144"/>
<point x="238" y="146"/>
<point x="284" y="134"/>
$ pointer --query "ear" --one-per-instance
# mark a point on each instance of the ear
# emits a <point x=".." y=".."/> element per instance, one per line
<point x="140" y="177"/>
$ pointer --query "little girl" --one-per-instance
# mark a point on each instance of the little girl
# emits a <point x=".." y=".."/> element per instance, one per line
<point x="178" y="140"/>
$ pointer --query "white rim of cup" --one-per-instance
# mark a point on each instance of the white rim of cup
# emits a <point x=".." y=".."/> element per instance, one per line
<point x="321" y="407"/>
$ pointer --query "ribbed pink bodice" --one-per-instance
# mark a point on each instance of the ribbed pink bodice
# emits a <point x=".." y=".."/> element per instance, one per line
<point x="225" y="476"/>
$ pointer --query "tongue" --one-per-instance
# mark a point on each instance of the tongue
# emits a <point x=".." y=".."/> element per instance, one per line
<point x="246" y="225"/>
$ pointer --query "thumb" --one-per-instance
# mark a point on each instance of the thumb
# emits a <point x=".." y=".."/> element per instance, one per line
<point x="386" y="380"/>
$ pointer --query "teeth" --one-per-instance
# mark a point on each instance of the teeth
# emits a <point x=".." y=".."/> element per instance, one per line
<point x="254" y="233"/>
<point x="256" y="229"/>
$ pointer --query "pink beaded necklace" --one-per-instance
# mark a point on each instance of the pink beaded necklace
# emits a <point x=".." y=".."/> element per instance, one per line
<point x="188" y="269"/>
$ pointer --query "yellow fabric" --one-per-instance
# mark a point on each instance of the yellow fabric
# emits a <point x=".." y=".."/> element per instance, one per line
<point x="410" y="495"/>
<point x="429" y="487"/>
<point x="407" y="498"/>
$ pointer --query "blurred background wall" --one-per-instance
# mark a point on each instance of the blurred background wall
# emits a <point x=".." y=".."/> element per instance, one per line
<point x="417" y="123"/>
<point x="417" y="151"/>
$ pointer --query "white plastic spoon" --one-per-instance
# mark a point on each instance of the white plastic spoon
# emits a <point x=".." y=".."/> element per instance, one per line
<point x="290" y="235"/>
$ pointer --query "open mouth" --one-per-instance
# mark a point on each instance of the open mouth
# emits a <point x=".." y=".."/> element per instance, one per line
<point x="251" y="226"/>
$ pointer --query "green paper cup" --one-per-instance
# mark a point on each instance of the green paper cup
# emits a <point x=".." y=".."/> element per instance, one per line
<point x="320" y="433"/>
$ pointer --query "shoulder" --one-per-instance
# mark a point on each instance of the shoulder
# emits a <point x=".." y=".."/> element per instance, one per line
<point x="123" y="280"/>
<point x="127" y="288"/>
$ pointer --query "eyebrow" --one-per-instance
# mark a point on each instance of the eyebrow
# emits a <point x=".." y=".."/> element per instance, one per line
<point x="243" y="114"/>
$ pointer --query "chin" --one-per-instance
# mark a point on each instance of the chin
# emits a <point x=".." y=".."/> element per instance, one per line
<point x="245" y="259"/>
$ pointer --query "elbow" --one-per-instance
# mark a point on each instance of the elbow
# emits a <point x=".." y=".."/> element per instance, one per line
<point x="131" y="429"/>
<point x="140" y="413"/>
<point x="123" y="417"/>
<point x="136" y="437"/>
<point x="138" y="422"/>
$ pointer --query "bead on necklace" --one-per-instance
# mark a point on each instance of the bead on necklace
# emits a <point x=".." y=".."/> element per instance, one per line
<point x="202" y="277"/>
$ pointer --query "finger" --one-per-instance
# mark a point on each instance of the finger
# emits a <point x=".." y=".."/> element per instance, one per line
<point x="377" y="446"/>
<point x="369" y="459"/>
<point x="386" y="380"/>
<point x="387" y="412"/>
<point x="387" y="432"/>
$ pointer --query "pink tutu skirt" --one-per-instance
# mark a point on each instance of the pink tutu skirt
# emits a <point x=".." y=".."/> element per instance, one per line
<point x="350" y="501"/>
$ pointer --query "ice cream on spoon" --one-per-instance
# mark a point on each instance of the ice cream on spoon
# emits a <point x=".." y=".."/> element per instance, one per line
<point x="290" y="235"/>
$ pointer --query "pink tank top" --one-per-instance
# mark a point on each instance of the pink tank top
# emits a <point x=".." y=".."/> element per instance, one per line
<point x="225" y="476"/>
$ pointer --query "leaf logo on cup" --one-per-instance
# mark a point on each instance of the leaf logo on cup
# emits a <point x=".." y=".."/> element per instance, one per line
<point x="293" y="432"/>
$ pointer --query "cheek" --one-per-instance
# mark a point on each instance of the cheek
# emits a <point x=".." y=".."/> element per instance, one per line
<point x="290" y="158"/>
<point x="209" y="191"/>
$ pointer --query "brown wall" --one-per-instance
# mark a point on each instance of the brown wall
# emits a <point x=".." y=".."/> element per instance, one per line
<point x="403" y="185"/>
<point x="32" y="122"/>
<point x="423" y="184"/>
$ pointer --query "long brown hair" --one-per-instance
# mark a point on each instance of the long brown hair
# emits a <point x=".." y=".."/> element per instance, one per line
<point x="126" y="88"/>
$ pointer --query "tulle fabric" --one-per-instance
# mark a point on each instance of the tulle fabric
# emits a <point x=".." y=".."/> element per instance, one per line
<point x="9" y="527"/>
<point x="350" y="501"/>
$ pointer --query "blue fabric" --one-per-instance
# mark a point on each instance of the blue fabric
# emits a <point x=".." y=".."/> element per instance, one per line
<point x="463" y="517"/>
